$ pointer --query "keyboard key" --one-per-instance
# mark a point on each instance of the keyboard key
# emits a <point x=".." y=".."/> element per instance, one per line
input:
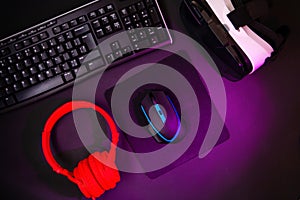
<point x="96" y="24"/>
<point x="51" y="52"/>
<point x="35" y="59"/>
<point x="25" y="73"/>
<point x="142" y="34"/>
<point x="52" y="42"/>
<point x="43" y="56"/>
<point x="19" y="67"/>
<point x="132" y="9"/>
<point x="57" y="70"/>
<point x="36" y="49"/>
<point x="81" y="30"/>
<point x="9" y="90"/>
<point x="33" y="70"/>
<point x="49" y="63"/>
<point x="28" y="62"/>
<point x="56" y="30"/>
<point x="149" y="3"/>
<point x="43" y="35"/>
<point x="61" y="39"/>
<point x="65" y="26"/>
<point x="161" y="34"/>
<point x="11" y="69"/>
<point x="41" y="66"/>
<point x="19" y="55"/>
<point x="42" y="27"/>
<point x="22" y="35"/>
<point x="140" y="6"/>
<point x="83" y="50"/>
<point x="124" y="12"/>
<point x="51" y="23"/>
<point x="73" y="23"/>
<point x="39" y="88"/>
<point x="77" y="42"/>
<point x="66" y="56"/>
<point x="138" y="25"/>
<point x="60" y="49"/>
<point x="127" y="21"/>
<point x="92" y="15"/>
<point x="18" y="46"/>
<point x="69" y="35"/>
<point x="135" y="17"/>
<point x="35" y="39"/>
<point x="65" y="66"/>
<point x="74" y="53"/>
<point x="44" y="46"/>
<point x="81" y="19"/>
<point x="154" y="16"/>
<point x="126" y="51"/>
<point x="110" y="58"/>
<point x="147" y="23"/>
<point x="113" y="17"/>
<point x="74" y="64"/>
<point x="95" y="64"/>
<point x="49" y="73"/>
<point x="154" y="40"/>
<point x="26" y="43"/>
<point x="101" y="11"/>
<point x="4" y="52"/>
<point x="118" y="54"/>
<point x="17" y="76"/>
<point x="89" y="41"/>
<point x="68" y="45"/>
<point x="33" y="80"/>
<point x="67" y="77"/>
<point x="142" y="45"/>
<point x="25" y="83"/>
<point x="8" y="80"/>
<point x="17" y="86"/>
<point x="109" y="8"/>
<point x="10" y="100"/>
<point x="57" y="60"/>
<point x="100" y="33"/>
<point x="41" y="76"/>
<point x="144" y="14"/>
<point x="104" y="20"/>
<point x="117" y="26"/>
<point x="115" y="46"/>
<point x="108" y="29"/>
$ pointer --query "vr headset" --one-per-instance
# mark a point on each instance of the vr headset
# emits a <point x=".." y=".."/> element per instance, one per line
<point x="239" y="35"/>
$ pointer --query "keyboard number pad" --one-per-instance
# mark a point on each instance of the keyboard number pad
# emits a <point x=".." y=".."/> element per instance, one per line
<point x="105" y="21"/>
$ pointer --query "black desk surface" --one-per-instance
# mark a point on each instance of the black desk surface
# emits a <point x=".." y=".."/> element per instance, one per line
<point x="261" y="159"/>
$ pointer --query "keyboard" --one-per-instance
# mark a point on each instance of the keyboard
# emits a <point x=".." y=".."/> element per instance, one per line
<point x="46" y="58"/>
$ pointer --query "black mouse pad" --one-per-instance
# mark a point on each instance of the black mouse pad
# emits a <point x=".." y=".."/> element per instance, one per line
<point x="146" y="143"/>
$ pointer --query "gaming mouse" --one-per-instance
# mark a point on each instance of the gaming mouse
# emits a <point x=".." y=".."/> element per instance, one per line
<point x="161" y="115"/>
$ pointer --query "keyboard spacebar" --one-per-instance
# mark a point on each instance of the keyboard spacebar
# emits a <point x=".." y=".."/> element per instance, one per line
<point x="39" y="88"/>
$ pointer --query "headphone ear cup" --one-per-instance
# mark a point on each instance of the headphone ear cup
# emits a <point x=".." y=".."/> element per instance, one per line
<point x="87" y="181"/>
<point x="107" y="176"/>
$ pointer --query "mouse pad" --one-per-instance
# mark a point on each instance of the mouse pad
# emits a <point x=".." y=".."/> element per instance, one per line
<point x="140" y="140"/>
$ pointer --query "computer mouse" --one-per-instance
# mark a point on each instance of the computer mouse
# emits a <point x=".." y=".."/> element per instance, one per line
<point x="162" y="116"/>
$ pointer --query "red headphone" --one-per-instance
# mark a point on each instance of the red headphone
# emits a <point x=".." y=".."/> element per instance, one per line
<point x="91" y="176"/>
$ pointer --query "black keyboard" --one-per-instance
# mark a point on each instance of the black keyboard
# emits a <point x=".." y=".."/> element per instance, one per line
<point x="46" y="58"/>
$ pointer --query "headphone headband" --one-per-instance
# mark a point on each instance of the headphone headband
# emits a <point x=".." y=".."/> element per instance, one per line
<point x="60" y="112"/>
